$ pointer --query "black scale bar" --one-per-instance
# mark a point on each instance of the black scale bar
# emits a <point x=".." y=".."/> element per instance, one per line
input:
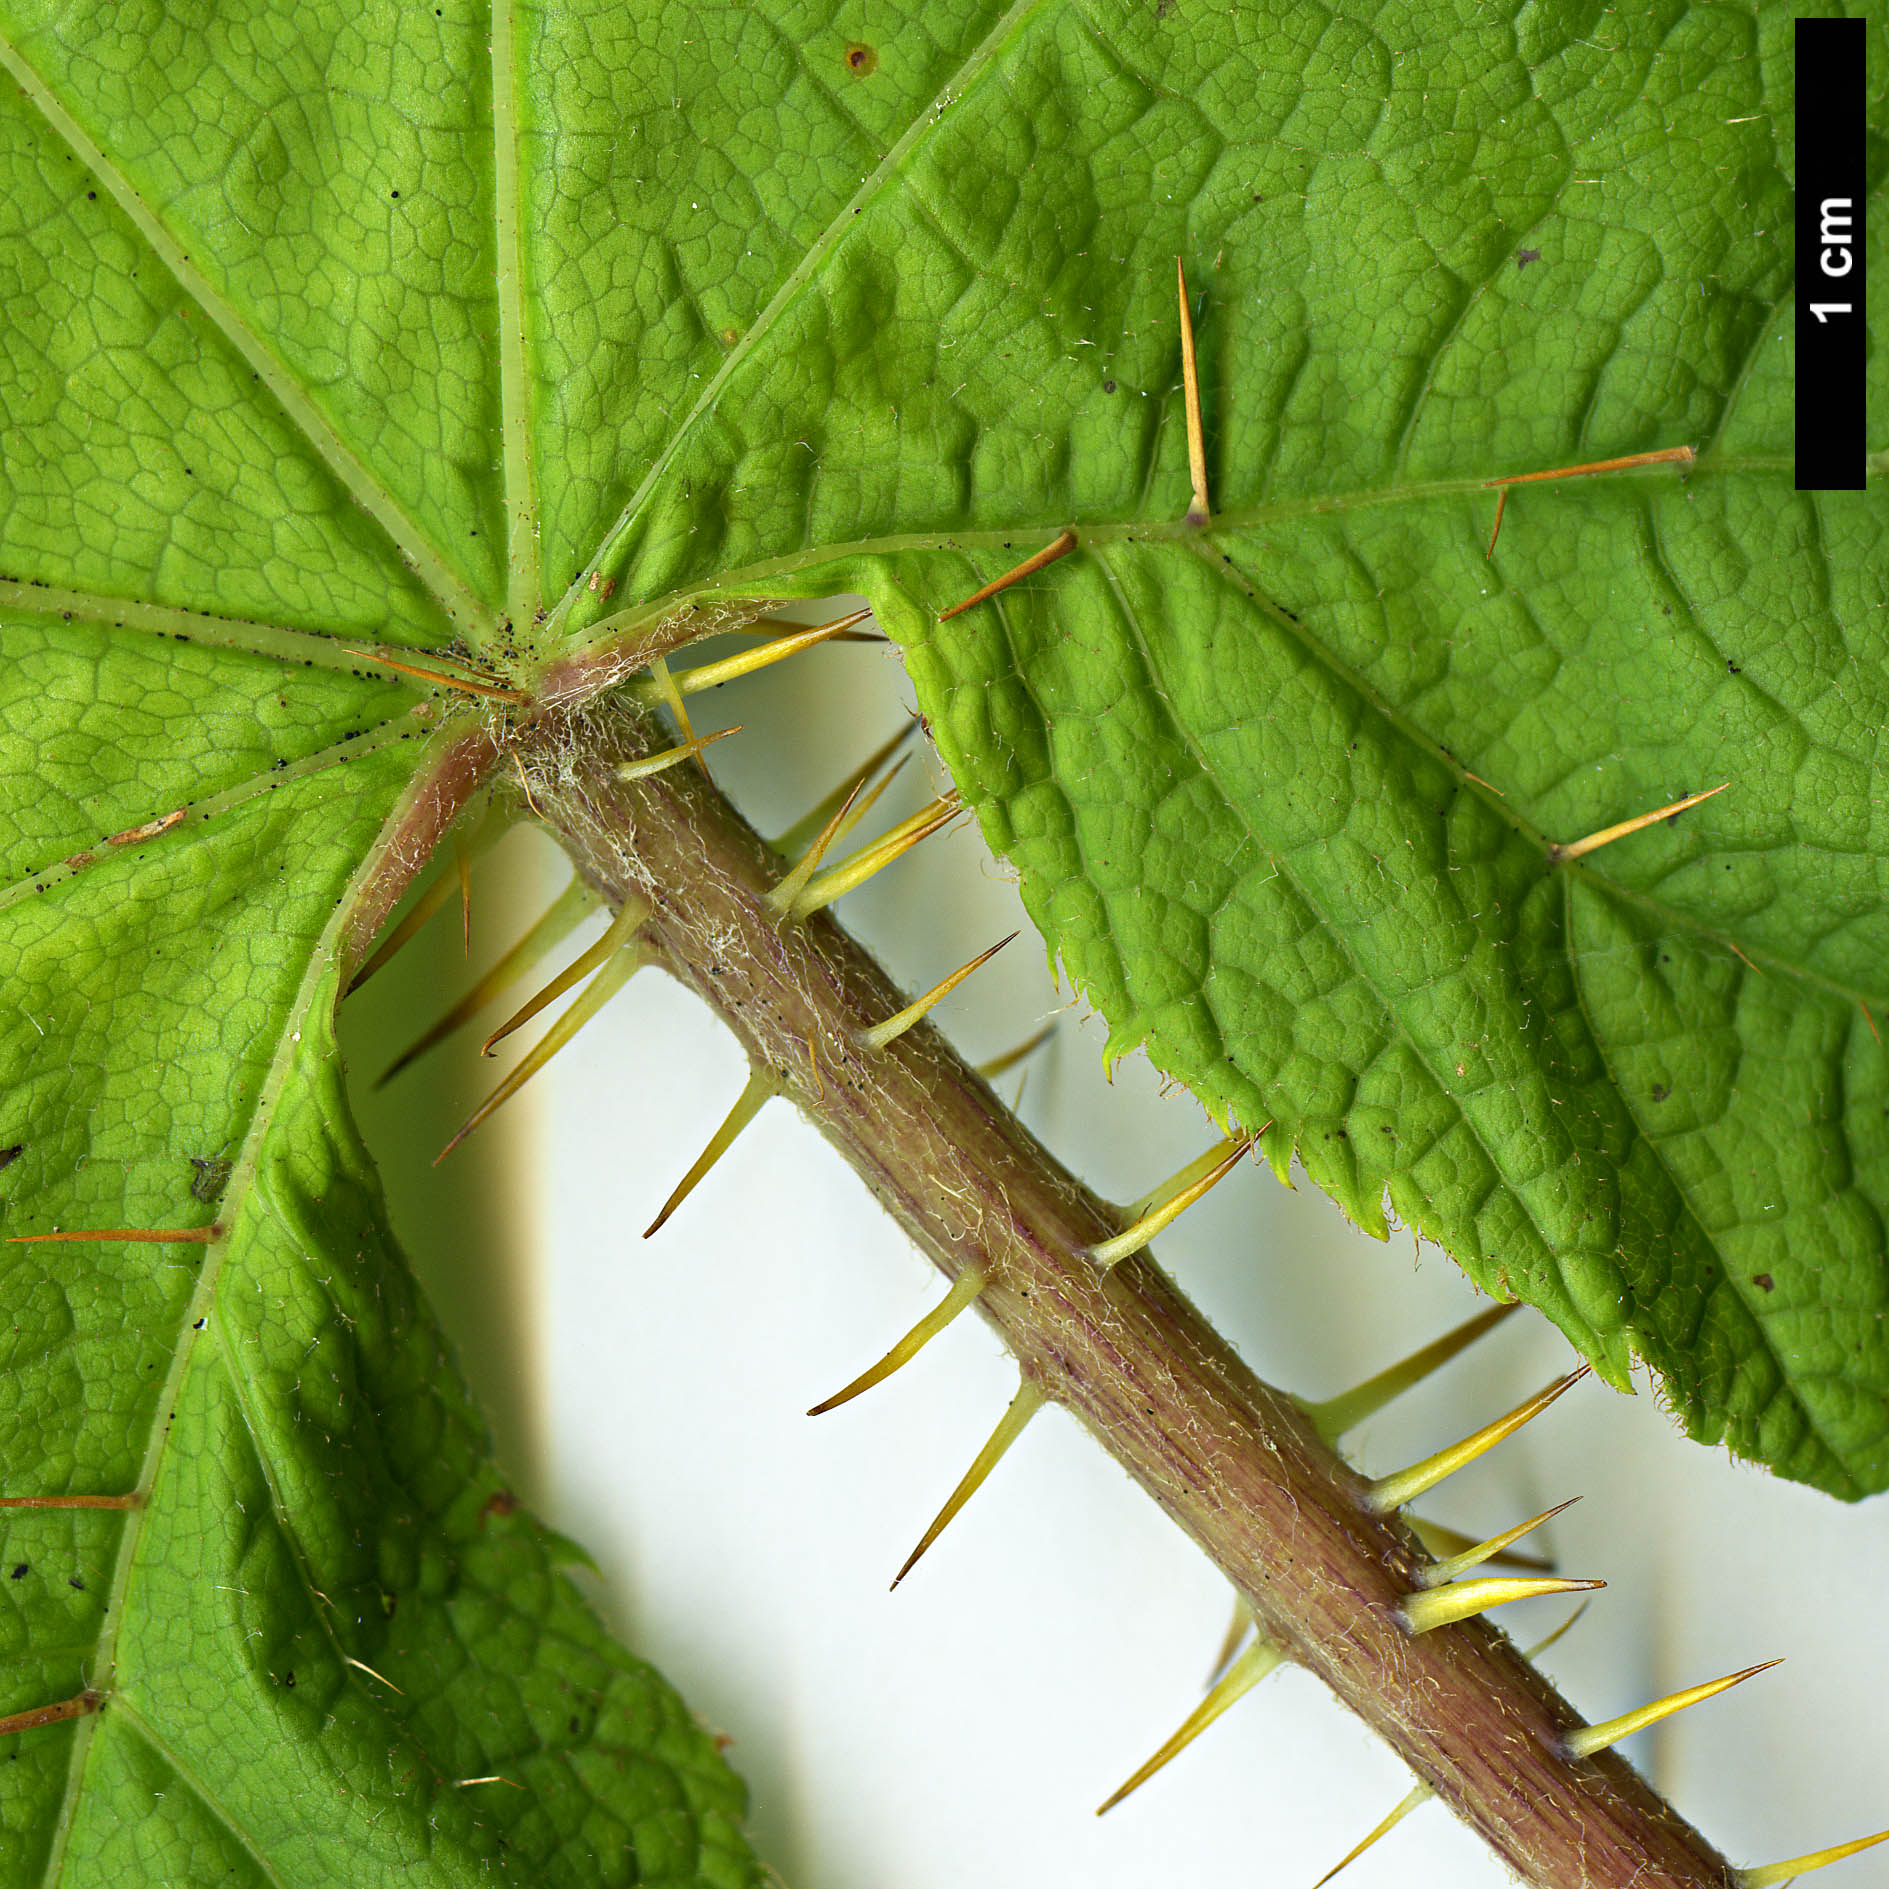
<point x="1832" y="58"/>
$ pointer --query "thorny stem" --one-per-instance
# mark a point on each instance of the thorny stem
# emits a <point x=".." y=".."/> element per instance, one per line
<point x="1232" y="1460"/>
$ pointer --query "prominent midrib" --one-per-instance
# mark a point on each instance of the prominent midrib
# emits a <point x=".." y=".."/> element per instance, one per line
<point x="1390" y="1010"/>
<point x="197" y="1312"/>
<point x="619" y="633"/>
<point x="521" y="499"/>
<point x="797" y="279"/>
<point x="297" y="649"/>
<point x="449" y="590"/>
<point x="1506" y="810"/>
<point x="194" y="813"/>
<point x="1103" y="531"/>
<point x="1342" y="945"/>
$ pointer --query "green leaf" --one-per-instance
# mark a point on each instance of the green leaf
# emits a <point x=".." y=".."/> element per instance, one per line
<point x="1284" y="793"/>
<point x="334" y="325"/>
<point x="253" y="419"/>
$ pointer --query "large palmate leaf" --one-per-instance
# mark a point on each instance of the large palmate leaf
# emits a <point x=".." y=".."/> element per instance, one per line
<point x="519" y="332"/>
<point x="1283" y="792"/>
<point x="248" y="268"/>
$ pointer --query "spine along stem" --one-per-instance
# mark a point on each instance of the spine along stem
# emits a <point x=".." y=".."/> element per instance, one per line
<point x="1239" y="1465"/>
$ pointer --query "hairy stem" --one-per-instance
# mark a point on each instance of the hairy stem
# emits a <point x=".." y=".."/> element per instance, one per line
<point x="1232" y="1460"/>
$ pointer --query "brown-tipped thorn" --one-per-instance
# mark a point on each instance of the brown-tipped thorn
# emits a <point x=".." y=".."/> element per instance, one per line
<point x="1253" y="1665"/>
<point x="566" y="911"/>
<point x="1027" y="1402"/>
<point x="801" y="834"/>
<point x="683" y="751"/>
<point x="964" y="1289"/>
<point x="1335" y="1415"/>
<point x="1194" y="1180"/>
<point x="844" y="818"/>
<point x="1197" y="511"/>
<point x="1437" y="1607"/>
<point x="1495" y="530"/>
<point x="87" y="1701"/>
<point x="1001" y="1065"/>
<point x="131" y="1501"/>
<point x="1682" y="455"/>
<point x="1772" y="1874"/>
<point x="896" y="1025"/>
<point x="1392" y="1492"/>
<point x="429" y="902"/>
<point x="1422" y="1793"/>
<point x="592" y="998"/>
<point x="1237" y="1629"/>
<point x="1059" y="547"/>
<point x="1579" y="849"/>
<point x="1592" y="1738"/>
<point x="439" y="678"/>
<point x="660" y="686"/>
<point x="361" y="1666"/>
<point x="622" y="929"/>
<point x="765" y="626"/>
<point x="144" y="1236"/>
<point x="761" y="1088"/>
<point x="883" y="852"/>
<point x="1479" y="1552"/>
<point x="711" y="675"/>
<point x="1417" y="1794"/>
<point x="1444" y="1542"/>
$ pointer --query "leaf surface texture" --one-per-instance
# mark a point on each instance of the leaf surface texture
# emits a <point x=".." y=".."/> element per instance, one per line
<point x="337" y="325"/>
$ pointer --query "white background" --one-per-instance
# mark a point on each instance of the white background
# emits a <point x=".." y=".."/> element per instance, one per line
<point x="961" y="1731"/>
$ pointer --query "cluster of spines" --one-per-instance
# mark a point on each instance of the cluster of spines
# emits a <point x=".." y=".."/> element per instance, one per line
<point x="1440" y="1597"/>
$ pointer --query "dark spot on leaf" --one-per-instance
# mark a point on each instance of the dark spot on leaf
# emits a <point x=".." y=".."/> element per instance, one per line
<point x="499" y="1502"/>
<point x="1661" y="1090"/>
<point x="9" y="1155"/>
<point x="577" y="1725"/>
<point x="1763" y="1281"/>
<point x="73" y="1580"/>
<point x="21" y="1571"/>
<point x="213" y="1175"/>
<point x="860" y="60"/>
<point x="199" y="1325"/>
<point x="1108" y="386"/>
<point x="1523" y="257"/>
<point x="1733" y="667"/>
<point x="288" y="1679"/>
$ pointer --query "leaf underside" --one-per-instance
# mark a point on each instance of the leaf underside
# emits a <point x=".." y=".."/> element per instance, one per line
<point x="336" y="325"/>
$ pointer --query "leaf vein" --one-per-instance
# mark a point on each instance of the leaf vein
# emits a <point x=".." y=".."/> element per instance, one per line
<point x="447" y="587"/>
<point x="797" y="279"/>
